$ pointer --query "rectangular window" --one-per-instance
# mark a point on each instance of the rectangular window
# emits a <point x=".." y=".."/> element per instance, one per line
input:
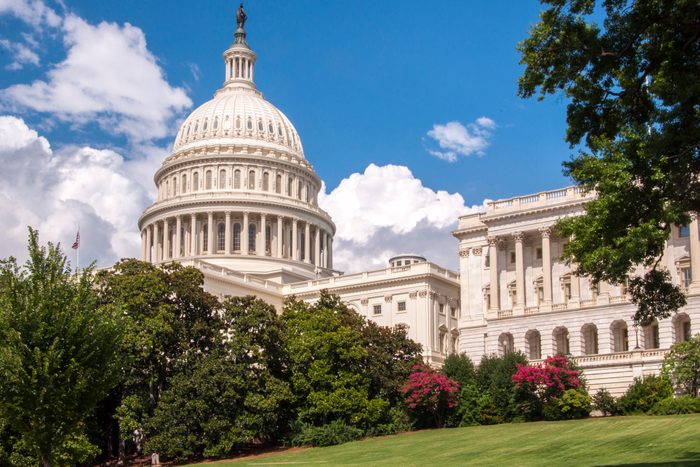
<point x="538" y="253"/>
<point x="686" y="277"/>
<point x="402" y="306"/>
<point x="512" y="257"/>
<point x="684" y="231"/>
<point x="377" y="309"/>
<point x="441" y="308"/>
<point x="453" y="312"/>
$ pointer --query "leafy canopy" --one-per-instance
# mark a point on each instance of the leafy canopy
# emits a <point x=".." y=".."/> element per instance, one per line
<point x="629" y="71"/>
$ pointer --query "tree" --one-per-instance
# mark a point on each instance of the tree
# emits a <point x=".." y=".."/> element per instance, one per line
<point x="169" y="322"/>
<point x="460" y="368"/>
<point x="633" y="101"/>
<point x="494" y="376"/>
<point x="430" y="395"/>
<point x="58" y="353"/>
<point x="682" y="366"/>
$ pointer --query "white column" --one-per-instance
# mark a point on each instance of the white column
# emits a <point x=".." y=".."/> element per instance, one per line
<point x="193" y="234"/>
<point x="694" y="253"/>
<point x="317" y="247"/>
<point x="519" y="271"/>
<point x="166" y="239"/>
<point x="280" y="223"/>
<point x="244" y="234"/>
<point x="307" y="243"/>
<point x="493" y="272"/>
<point x="546" y="266"/>
<point x="210" y="233"/>
<point x="143" y="245"/>
<point x="227" y="234"/>
<point x="263" y="235"/>
<point x="324" y="250"/>
<point x="330" y="251"/>
<point x="177" y="253"/>
<point x="156" y="241"/>
<point x="149" y="241"/>
<point x="295" y="240"/>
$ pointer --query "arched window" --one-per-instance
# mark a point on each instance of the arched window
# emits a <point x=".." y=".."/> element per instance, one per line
<point x="561" y="340"/>
<point x="270" y="129"/>
<point x="278" y="184"/>
<point x="204" y="127"/>
<point x="534" y="344"/>
<point x="681" y="327"/>
<point x="303" y="245"/>
<point x="184" y="183"/>
<point x="299" y="185"/>
<point x="236" y="237"/>
<point x="196" y="126"/>
<point x="167" y="188"/>
<point x="195" y="181"/>
<point x="222" y="179"/>
<point x="505" y="343"/>
<point x="238" y="123"/>
<point x="251" y="237"/>
<point x="216" y="123"/>
<point x="266" y="181"/>
<point x="268" y="240"/>
<point x="589" y="336"/>
<point x="260" y="125"/>
<point x="236" y="179"/>
<point x="289" y="186"/>
<point x="619" y="336"/>
<point x="250" y="124"/>
<point x="251" y="180"/>
<point x="221" y="237"/>
<point x="207" y="180"/>
<point x="651" y="335"/>
<point x="174" y="186"/>
<point x="205" y="237"/>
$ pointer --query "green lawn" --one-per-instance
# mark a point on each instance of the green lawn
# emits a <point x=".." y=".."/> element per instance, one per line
<point x="643" y="440"/>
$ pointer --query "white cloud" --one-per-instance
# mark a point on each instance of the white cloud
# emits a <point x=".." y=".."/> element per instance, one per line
<point x="455" y="139"/>
<point x="386" y="211"/>
<point x="108" y="76"/>
<point x="21" y="54"/>
<point x="57" y="192"/>
<point x="32" y="12"/>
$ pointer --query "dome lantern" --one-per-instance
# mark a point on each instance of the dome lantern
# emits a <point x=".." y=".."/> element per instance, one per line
<point x="239" y="59"/>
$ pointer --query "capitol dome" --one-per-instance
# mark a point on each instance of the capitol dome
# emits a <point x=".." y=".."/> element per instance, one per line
<point x="236" y="194"/>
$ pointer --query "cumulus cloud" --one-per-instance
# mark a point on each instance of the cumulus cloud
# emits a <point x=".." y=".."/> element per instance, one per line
<point x="21" y="54"/>
<point x="58" y="191"/>
<point x="32" y="12"/>
<point x="124" y="90"/>
<point x="455" y="139"/>
<point x="387" y="211"/>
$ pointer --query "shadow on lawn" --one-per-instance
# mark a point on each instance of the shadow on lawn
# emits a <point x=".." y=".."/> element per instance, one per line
<point x="687" y="458"/>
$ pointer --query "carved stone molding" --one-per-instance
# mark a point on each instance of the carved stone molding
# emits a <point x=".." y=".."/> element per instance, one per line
<point x="476" y="251"/>
<point x="492" y="240"/>
<point x="364" y="301"/>
<point x="422" y="294"/>
<point x="412" y="295"/>
<point x="546" y="232"/>
<point x="433" y="295"/>
<point x="518" y="236"/>
<point x="693" y="215"/>
<point x="388" y="298"/>
<point x="464" y="253"/>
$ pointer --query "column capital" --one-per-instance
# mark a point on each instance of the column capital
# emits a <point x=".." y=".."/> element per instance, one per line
<point x="518" y="236"/>
<point x="546" y="232"/>
<point x="693" y="215"/>
<point x="492" y="240"/>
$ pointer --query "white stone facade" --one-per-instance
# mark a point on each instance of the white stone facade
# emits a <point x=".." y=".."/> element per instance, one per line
<point x="517" y="294"/>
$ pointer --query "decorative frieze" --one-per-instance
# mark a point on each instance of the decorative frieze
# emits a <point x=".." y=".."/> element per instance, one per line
<point x="388" y="298"/>
<point x="476" y="251"/>
<point x="364" y="301"/>
<point x="464" y="252"/>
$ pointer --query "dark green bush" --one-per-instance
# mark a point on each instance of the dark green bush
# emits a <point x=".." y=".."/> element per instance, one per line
<point x="606" y="403"/>
<point x="331" y="434"/>
<point x="460" y="368"/>
<point x="475" y="408"/>
<point x="676" y="406"/>
<point x="494" y="376"/>
<point x="573" y="404"/>
<point x="644" y="393"/>
<point x="399" y="422"/>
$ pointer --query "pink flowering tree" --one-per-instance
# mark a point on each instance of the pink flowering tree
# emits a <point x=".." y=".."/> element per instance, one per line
<point x="539" y="385"/>
<point x="429" y="395"/>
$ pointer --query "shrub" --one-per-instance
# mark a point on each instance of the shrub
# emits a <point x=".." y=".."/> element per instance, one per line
<point x="676" y="406"/>
<point x="682" y="366"/>
<point x="399" y="422"/>
<point x="606" y="403"/>
<point x="573" y="404"/>
<point x="430" y="396"/>
<point x="537" y="385"/>
<point x="644" y="393"/>
<point x="336" y="432"/>
<point x="494" y="376"/>
<point x="475" y="408"/>
<point x="460" y="368"/>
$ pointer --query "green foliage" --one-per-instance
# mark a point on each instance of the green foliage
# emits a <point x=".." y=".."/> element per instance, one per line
<point x="682" y="366"/>
<point x="644" y="393"/>
<point x="676" y="406"/>
<point x="475" y="408"/>
<point x="494" y="376"/>
<point x="573" y="404"/>
<point x="460" y="368"/>
<point x="606" y="403"/>
<point x="338" y="370"/>
<point x="58" y="353"/>
<point x="335" y="432"/>
<point x="633" y="96"/>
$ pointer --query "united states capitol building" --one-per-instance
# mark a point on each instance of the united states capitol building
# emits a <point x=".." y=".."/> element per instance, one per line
<point x="238" y="200"/>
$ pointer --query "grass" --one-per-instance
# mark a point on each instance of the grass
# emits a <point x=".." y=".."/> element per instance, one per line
<point x="639" y="440"/>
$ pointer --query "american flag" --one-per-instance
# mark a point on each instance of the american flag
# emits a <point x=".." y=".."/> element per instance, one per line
<point x="76" y="243"/>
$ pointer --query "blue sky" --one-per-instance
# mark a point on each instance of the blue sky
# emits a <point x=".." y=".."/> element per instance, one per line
<point x="364" y="82"/>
